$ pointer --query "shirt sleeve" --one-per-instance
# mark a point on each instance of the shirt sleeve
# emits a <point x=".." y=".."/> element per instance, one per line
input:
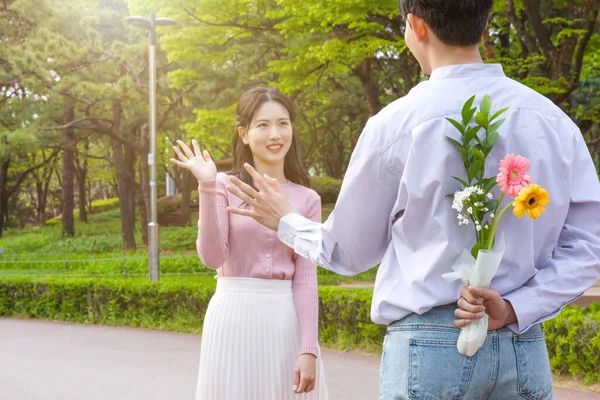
<point x="304" y="289"/>
<point x="357" y="233"/>
<point x="574" y="265"/>
<point x="213" y="223"/>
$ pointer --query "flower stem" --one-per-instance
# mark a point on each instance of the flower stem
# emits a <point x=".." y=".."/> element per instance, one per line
<point x="498" y="205"/>
<point x="495" y="225"/>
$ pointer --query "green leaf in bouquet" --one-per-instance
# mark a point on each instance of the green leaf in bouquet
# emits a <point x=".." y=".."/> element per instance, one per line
<point x="491" y="205"/>
<point x="481" y="119"/>
<point x="498" y="113"/>
<point x="468" y="117"/>
<point x="477" y="153"/>
<point x="474" y="169"/>
<point x="472" y="134"/>
<point x="479" y="174"/>
<point x="456" y="124"/>
<point x="488" y="184"/>
<point x="475" y="249"/>
<point x="463" y="152"/>
<point x="486" y="106"/>
<point x="493" y="128"/>
<point x="467" y="108"/>
<point x="491" y="141"/>
<point x="463" y="182"/>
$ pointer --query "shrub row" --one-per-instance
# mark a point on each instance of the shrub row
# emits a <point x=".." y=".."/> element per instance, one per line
<point x="573" y="338"/>
<point x="328" y="188"/>
<point x="98" y="206"/>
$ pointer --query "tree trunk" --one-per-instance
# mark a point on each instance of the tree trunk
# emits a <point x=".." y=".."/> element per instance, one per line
<point x="3" y="191"/>
<point x="125" y="185"/>
<point x="82" y="164"/>
<point x="370" y="89"/>
<point x="82" y="195"/>
<point x="487" y="44"/>
<point x="188" y="182"/>
<point x="68" y="174"/>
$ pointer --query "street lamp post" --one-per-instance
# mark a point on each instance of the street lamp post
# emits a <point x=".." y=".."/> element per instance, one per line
<point x="151" y="24"/>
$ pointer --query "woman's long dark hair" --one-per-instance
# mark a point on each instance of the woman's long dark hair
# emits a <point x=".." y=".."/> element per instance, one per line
<point x="249" y="103"/>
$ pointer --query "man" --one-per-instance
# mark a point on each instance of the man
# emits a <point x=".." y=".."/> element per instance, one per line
<point x="392" y="210"/>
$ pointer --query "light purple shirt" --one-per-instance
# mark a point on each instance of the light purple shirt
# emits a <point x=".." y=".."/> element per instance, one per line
<point x="392" y="208"/>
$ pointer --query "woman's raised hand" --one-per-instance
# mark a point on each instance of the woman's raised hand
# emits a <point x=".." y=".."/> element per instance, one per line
<point x="197" y="162"/>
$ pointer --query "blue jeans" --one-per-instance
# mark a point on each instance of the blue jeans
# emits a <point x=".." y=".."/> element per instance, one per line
<point x="420" y="361"/>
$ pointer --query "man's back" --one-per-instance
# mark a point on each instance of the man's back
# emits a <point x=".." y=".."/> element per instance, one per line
<point x="426" y="239"/>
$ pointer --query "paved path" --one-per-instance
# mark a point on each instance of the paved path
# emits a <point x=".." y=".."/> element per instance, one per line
<point x="58" y="361"/>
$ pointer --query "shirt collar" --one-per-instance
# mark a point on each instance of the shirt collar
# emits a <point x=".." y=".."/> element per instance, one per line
<point x="464" y="70"/>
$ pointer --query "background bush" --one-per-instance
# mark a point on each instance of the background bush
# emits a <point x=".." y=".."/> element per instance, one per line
<point x="179" y="304"/>
<point x="98" y="206"/>
<point x="328" y="188"/>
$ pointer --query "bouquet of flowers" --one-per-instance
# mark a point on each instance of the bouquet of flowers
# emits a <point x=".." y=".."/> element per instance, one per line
<point x="476" y="206"/>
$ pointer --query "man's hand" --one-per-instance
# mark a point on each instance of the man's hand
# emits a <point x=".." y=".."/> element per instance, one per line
<point x="305" y="373"/>
<point x="475" y="301"/>
<point x="268" y="206"/>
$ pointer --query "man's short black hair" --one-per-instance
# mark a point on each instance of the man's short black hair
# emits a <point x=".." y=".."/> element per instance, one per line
<point x="454" y="22"/>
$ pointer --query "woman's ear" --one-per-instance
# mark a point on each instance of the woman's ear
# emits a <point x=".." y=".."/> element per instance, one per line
<point x="243" y="135"/>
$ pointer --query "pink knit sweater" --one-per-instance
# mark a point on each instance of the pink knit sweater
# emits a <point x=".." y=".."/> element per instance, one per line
<point x="238" y="246"/>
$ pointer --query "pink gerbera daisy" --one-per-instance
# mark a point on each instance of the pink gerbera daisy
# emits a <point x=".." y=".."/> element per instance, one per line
<point x="513" y="174"/>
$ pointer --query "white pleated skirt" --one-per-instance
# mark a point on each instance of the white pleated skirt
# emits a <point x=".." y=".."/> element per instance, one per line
<point x="251" y="342"/>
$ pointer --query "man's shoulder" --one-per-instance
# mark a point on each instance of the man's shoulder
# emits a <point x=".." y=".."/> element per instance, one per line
<point x="396" y="119"/>
<point x="430" y="101"/>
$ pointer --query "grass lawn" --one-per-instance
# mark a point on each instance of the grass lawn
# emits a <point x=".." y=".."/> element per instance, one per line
<point x="96" y="250"/>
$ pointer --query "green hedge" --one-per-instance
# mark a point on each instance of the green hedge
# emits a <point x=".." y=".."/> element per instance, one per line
<point x="573" y="338"/>
<point x="98" y="206"/>
<point x="328" y="188"/>
<point x="173" y="304"/>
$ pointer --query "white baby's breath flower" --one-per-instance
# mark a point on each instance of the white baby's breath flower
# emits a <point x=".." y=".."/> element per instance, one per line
<point x="492" y="215"/>
<point x="478" y="227"/>
<point x="470" y="210"/>
<point x="490" y="195"/>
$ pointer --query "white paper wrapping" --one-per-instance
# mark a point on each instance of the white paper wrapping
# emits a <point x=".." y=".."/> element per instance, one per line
<point x="478" y="273"/>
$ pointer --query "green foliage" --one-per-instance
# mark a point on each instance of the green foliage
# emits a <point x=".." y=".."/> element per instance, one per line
<point x="180" y="238"/>
<point x="171" y="305"/>
<point x="474" y="151"/>
<point x="473" y="148"/>
<point x="573" y="340"/>
<point x="345" y="321"/>
<point x="98" y="206"/>
<point x="179" y="304"/>
<point x="328" y="188"/>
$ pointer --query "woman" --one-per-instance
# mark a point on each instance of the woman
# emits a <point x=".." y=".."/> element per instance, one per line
<point x="260" y="330"/>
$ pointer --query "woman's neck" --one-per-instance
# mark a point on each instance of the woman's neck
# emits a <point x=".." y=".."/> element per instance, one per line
<point x="273" y="170"/>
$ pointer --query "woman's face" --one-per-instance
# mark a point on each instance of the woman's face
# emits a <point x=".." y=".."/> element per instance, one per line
<point x="269" y="134"/>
